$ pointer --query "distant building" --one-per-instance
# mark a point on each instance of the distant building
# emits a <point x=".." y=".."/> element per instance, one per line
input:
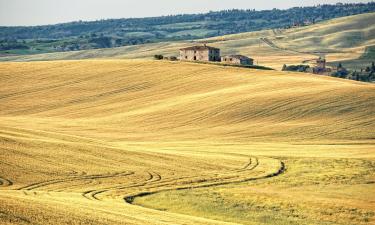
<point x="321" y="63"/>
<point x="320" y="67"/>
<point x="237" y="59"/>
<point x="200" y="53"/>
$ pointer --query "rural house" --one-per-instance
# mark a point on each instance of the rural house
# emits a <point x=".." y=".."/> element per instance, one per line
<point x="237" y="59"/>
<point x="321" y="63"/>
<point x="200" y="53"/>
<point x="320" y="67"/>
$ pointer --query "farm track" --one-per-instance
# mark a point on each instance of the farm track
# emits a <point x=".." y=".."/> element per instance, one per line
<point x="271" y="44"/>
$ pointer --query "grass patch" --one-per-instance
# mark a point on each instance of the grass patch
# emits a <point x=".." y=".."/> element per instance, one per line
<point x="362" y="62"/>
<point x="312" y="191"/>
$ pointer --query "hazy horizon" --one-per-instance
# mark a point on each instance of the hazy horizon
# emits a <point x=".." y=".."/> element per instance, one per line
<point x="44" y="12"/>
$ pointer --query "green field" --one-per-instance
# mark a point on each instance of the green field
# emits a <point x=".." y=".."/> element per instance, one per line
<point x="365" y="60"/>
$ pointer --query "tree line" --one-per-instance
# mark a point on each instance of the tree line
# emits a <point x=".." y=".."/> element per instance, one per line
<point x="121" y="32"/>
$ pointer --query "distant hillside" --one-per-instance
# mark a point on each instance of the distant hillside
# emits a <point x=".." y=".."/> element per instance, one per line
<point x="123" y="32"/>
<point x="342" y="39"/>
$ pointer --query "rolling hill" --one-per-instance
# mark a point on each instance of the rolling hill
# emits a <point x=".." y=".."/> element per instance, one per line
<point x="157" y="142"/>
<point x="82" y="35"/>
<point x="339" y="39"/>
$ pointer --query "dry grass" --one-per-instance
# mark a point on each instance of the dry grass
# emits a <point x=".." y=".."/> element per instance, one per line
<point x="212" y="143"/>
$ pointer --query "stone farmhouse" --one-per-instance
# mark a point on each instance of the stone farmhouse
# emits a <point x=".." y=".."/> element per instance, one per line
<point x="206" y="53"/>
<point x="237" y="59"/>
<point x="200" y="53"/>
<point x="320" y="67"/>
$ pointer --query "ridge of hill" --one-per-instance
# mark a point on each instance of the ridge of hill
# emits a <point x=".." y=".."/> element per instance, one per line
<point x="126" y="32"/>
<point x="339" y="39"/>
<point x="100" y="91"/>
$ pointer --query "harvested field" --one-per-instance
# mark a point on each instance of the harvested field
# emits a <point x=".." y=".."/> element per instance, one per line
<point x="155" y="142"/>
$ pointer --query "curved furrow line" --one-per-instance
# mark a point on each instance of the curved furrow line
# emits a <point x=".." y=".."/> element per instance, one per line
<point x="203" y="178"/>
<point x="192" y="182"/>
<point x="209" y="177"/>
<point x="134" y="184"/>
<point x="5" y="182"/>
<point x="248" y="164"/>
<point x="281" y="169"/>
<point x="129" y="199"/>
<point x="97" y="193"/>
<point x="64" y="180"/>
<point x="155" y="177"/>
<point x="173" y="179"/>
<point x="94" y="194"/>
<point x="87" y="194"/>
<point x="253" y="162"/>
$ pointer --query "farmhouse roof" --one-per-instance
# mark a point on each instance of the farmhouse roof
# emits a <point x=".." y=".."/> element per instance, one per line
<point x="199" y="48"/>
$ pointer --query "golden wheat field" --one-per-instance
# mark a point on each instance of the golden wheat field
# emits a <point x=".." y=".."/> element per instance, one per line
<point x="156" y="142"/>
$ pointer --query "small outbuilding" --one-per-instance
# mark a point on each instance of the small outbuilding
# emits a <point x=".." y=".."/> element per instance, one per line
<point x="237" y="59"/>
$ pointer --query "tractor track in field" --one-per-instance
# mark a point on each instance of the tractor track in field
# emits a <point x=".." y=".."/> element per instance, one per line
<point x="70" y="179"/>
<point x="282" y="168"/>
<point x="209" y="177"/>
<point x="251" y="164"/>
<point x="150" y="182"/>
<point x="271" y="44"/>
<point x="155" y="181"/>
<point x="93" y="194"/>
<point x="5" y="182"/>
